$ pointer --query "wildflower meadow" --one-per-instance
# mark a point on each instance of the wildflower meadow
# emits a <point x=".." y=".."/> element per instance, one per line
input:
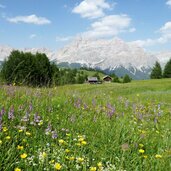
<point x="108" y="127"/>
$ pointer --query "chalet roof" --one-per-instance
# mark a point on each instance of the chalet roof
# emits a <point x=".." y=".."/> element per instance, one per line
<point x="107" y="76"/>
<point x="92" y="79"/>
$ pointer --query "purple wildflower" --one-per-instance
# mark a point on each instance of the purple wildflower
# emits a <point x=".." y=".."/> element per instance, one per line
<point x="11" y="113"/>
<point x="54" y="135"/>
<point x="110" y="110"/>
<point x="37" y="118"/>
<point x="48" y="129"/>
<point x="30" y="107"/>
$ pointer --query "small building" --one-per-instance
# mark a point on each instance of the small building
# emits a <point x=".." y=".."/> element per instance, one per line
<point x="107" y="78"/>
<point x="92" y="80"/>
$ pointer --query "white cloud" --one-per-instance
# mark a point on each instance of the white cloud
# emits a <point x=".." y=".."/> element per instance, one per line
<point x="168" y="2"/>
<point x="166" y="29"/>
<point x="165" y="37"/>
<point x="2" y="6"/>
<point x="92" y="8"/>
<point x="63" y="39"/>
<point x="109" y="26"/>
<point x="31" y="19"/>
<point x="32" y="36"/>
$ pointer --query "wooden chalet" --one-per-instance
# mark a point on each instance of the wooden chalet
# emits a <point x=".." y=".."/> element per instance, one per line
<point x="107" y="78"/>
<point x="92" y="80"/>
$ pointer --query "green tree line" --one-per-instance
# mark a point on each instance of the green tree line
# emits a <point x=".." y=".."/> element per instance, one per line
<point x="36" y="70"/>
<point x="158" y="73"/>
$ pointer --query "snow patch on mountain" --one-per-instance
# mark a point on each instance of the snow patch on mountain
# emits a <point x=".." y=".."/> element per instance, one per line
<point x="105" y="54"/>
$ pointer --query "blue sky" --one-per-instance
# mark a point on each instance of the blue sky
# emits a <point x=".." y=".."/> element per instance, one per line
<point x="54" y="23"/>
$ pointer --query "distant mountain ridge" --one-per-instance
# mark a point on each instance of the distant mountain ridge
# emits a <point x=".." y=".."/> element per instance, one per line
<point x="108" y="55"/>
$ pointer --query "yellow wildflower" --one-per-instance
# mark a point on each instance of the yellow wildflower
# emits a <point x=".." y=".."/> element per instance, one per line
<point x="44" y="154"/>
<point x="52" y="161"/>
<point x="0" y="141"/>
<point x="57" y="166"/>
<point x="141" y="151"/>
<point x="81" y="139"/>
<point x="61" y="141"/>
<point x="83" y="142"/>
<point x="20" y="130"/>
<point x="67" y="150"/>
<point x="99" y="164"/>
<point x="40" y="123"/>
<point x="17" y="169"/>
<point x="158" y="156"/>
<point x="5" y="129"/>
<point x="141" y="145"/>
<point x="28" y="133"/>
<point x="93" y="168"/>
<point x="7" y="137"/>
<point x="20" y="147"/>
<point x="80" y="159"/>
<point x="23" y="156"/>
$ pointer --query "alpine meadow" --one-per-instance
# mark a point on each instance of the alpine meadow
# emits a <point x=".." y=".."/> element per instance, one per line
<point x="85" y="85"/>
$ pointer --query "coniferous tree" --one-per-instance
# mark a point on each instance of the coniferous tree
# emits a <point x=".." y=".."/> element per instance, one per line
<point x="167" y="70"/>
<point x="156" y="72"/>
<point x="126" y="79"/>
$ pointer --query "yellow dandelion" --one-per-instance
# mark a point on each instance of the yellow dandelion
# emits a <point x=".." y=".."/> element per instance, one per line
<point x="7" y="137"/>
<point x="80" y="159"/>
<point x="81" y="139"/>
<point x="141" y="145"/>
<point x="40" y="123"/>
<point x="20" y="130"/>
<point x="52" y="161"/>
<point x="99" y="164"/>
<point x="141" y="151"/>
<point x="67" y="150"/>
<point x="93" y="168"/>
<point x="20" y="147"/>
<point x="23" y="156"/>
<point x="57" y="166"/>
<point x="83" y="142"/>
<point x="44" y="154"/>
<point x="158" y="156"/>
<point x="17" y="169"/>
<point x="0" y="141"/>
<point x="28" y="133"/>
<point x="5" y="129"/>
<point x="61" y="141"/>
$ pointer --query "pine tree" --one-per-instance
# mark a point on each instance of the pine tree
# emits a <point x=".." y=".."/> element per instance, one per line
<point x="156" y="72"/>
<point x="126" y="79"/>
<point x="167" y="70"/>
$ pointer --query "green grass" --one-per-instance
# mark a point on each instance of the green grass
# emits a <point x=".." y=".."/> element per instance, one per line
<point x="91" y="73"/>
<point x="122" y="126"/>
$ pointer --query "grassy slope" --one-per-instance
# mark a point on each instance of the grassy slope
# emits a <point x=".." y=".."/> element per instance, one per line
<point x="91" y="73"/>
<point x="113" y="119"/>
